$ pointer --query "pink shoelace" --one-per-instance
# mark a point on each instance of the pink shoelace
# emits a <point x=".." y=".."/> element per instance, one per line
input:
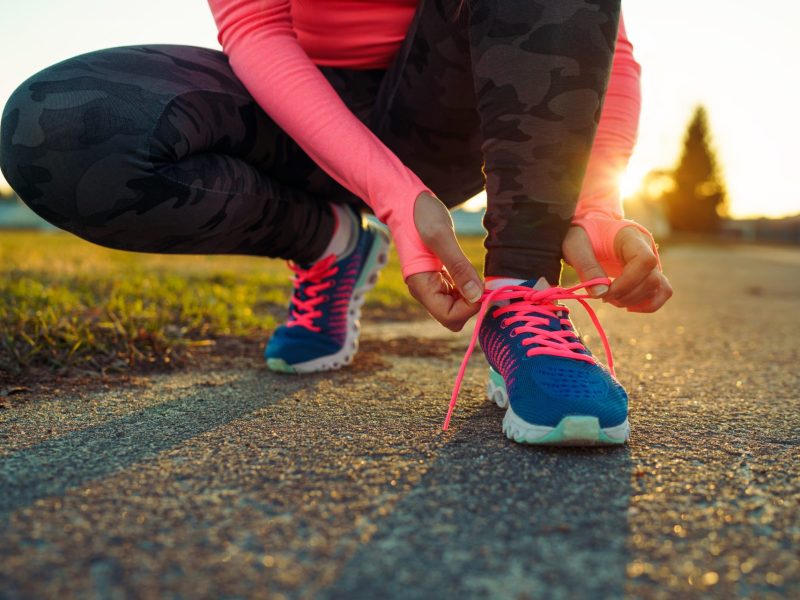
<point x="532" y="309"/>
<point x="318" y="275"/>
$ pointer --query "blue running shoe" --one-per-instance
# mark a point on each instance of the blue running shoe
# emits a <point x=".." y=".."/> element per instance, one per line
<point x="322" y="331"/>
<point x="554" y="391"/>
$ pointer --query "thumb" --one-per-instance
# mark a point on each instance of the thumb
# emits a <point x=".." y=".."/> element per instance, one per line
<point x="578" y="252"/>
<point x="435" y="227"/>
<point x="461" y="270"/>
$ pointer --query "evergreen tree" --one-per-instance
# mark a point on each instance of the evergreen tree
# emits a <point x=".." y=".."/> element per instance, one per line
<point x="698" y="200"/>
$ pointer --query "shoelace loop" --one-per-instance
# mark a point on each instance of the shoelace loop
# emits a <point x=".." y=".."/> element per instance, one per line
<point x="318" y="276"/>
<point x="529" y="309"/>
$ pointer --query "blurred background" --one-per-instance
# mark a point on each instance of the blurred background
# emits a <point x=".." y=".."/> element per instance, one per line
<point x="146" y="451"/>
<point x="718" y="139"/>
<point x="715" y="161"/>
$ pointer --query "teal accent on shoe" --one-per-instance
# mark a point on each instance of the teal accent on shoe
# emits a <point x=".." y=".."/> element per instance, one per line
<point x="496" y="379"/>
<point x="280" y="366"/>
<point x="577" y="429"/>
<point x="543" y="386"/>
<point x="573" y="430"/>
<point x="379" y="247"/>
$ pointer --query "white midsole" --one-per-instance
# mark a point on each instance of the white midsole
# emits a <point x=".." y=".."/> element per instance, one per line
<point x="511" y="421"/>
<point x="499" y="395"/>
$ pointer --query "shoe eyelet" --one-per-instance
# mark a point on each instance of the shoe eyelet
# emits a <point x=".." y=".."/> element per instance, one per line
<point x="503" y="324"/>
<point x="513" y="333"/>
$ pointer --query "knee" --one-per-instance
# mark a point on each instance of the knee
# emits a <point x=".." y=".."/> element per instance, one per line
<point x="17" y="145"/>
<point x="33" y="137"/>
<point x="56" y="136"/>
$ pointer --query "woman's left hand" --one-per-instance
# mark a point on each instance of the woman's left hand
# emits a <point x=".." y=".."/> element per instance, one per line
<point x="641" y="287"/>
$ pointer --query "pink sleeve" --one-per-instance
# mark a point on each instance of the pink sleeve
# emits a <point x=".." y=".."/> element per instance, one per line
<point x="599" y="209"/>
<point x="258" y="38"/>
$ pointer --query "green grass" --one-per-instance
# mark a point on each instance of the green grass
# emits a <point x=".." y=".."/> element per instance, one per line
<point x="67" y="304"/>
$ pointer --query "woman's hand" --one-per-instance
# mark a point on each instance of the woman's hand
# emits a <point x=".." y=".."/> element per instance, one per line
<point x="641" y="287"/>
<point x="450" y="295"/>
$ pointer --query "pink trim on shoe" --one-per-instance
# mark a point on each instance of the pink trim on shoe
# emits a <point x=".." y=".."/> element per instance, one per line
<point x="529" y="303"/>
<point x="318" y="275"/>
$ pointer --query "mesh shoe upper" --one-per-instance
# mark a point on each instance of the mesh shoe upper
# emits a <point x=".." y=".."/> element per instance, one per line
<point x="318" y="310"/>
<point x="548" y="372"/>
<point x="543" y="389"/>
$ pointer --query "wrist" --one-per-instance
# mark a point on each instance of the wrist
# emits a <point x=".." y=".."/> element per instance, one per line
<point x="414" y="255"/>
<point x="604" y="234"/>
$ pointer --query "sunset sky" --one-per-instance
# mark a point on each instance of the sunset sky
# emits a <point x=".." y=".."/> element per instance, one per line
<point x="731" y="56"/>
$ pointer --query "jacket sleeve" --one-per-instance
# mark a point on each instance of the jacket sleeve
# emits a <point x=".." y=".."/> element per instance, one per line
<point x="599" y="211"/>
<point x="258" y="38"/>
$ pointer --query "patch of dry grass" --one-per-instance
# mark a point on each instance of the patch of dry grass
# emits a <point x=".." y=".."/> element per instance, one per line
<point x="67" y="304"/>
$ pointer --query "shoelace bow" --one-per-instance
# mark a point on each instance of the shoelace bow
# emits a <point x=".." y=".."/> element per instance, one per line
<point x="318" y="276"/>
<point x="531" y="309"/>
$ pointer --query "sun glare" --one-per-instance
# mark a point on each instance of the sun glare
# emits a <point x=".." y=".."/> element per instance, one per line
<point x="629" y="182"/>
<point x="476" y="203"/>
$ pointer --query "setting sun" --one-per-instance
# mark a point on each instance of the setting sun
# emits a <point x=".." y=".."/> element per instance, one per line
<point x="221" y="376"/>
<point x="751" y="128"/>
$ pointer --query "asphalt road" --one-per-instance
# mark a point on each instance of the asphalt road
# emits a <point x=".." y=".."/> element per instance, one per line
<point x="243" y="483"/>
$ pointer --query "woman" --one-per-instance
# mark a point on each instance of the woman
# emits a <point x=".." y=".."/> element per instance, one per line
<point x="272" y="146"/>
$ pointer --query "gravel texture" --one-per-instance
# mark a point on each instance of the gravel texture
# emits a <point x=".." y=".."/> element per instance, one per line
<point x="241" y="483"/>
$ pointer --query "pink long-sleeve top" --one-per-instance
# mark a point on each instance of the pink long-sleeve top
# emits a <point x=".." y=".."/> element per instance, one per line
<point x="274" y="46"/>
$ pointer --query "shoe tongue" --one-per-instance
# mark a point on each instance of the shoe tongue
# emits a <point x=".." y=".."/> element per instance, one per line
<point x="542" y="284"/>
<point x="537" y="284"/>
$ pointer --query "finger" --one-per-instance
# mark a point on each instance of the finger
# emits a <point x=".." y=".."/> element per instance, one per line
<point x="451" y="311"/>
<point x="639" y="297"/>
<point x="578" y="253"/>
<point x="441" y="239"/>
<point x="434" y="291"/>
<point x="419" y="284"/>
<point x="663" y="294"/>
<point x="446" y="285"/>
<point x="644" y="291"/>
<point x="451" y="285"/>
<point x="459" y="313"/>
<point x="436" y="283"/>
<point x="639" y="261"/>
<point x="446" y="247"/>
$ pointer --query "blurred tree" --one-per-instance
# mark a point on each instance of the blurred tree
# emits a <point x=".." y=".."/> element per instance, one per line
<point x="697" y="199"/>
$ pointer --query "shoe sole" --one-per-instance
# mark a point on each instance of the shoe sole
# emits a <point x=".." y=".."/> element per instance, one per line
<point x="573" y="430"/>
<point x="377" y="259"/>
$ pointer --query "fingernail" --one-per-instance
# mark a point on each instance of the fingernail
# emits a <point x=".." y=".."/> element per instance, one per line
<point x="599" y="290"/>
<point x="472" y="291"/>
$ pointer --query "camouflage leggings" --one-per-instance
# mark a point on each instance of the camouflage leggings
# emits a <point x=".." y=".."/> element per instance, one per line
<point x="160" y="148"/>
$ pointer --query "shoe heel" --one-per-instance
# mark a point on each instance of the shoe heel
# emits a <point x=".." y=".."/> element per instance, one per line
<point x="376" y="260"/>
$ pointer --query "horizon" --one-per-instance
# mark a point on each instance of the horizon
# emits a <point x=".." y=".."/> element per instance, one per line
<point x="744" y="86"/>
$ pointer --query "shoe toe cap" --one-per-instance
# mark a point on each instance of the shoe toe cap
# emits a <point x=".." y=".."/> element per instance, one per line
<point x="297" y="345"/>
<point x="554" y="388"/>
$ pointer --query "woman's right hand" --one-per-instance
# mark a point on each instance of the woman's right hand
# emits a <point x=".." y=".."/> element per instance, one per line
<point x="450" y="295"/>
